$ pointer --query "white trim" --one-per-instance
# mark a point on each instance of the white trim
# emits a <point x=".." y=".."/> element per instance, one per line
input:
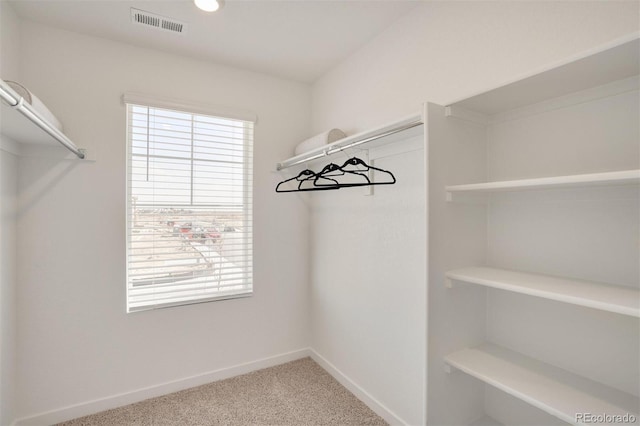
<point x="118" y="400"/>
<point x="189" y="106"/>
<point x="427" y="262"/>
<point x="126" y="398"/>
<point x="620" y="177"/>
<point x="364" y="396"/>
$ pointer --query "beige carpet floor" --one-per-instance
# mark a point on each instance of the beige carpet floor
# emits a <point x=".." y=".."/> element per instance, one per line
<point x="296" y="393"/>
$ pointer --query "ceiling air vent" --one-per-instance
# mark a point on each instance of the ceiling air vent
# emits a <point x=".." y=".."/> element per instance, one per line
<point x="142" y="17"/>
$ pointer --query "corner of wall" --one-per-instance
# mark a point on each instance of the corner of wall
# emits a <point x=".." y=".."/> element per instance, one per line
<point x="8" y="285"/>
<point x="9" y="69"/>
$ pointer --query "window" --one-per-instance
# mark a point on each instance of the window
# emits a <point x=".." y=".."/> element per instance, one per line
<point x="189" y="203"/>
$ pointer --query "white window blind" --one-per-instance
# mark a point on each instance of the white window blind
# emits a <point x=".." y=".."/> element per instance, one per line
<point x="189" y="223"/>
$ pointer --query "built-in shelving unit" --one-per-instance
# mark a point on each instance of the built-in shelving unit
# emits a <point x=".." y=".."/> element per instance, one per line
<point x="388" y="133"/>
<point x="557" y="154"/>
<point x="553" y="390"/>
<point x="624" y="177"/>
<point x="612" y="298"/>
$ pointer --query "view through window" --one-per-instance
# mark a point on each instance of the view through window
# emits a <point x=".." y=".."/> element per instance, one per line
<point x="189" y="227"/>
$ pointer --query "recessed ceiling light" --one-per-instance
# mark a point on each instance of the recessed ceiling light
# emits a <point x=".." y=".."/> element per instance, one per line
<point x="209" y="5"/>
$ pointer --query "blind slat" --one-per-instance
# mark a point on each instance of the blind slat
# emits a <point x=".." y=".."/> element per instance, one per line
<point x="172" y="249"/>
<point x="180" y="276"/>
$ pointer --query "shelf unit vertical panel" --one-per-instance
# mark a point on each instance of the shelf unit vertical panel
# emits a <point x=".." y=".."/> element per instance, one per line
<point x="456" y="237"/>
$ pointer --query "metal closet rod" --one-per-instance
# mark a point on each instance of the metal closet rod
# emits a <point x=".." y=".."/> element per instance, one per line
<point x="17" y="102"/>
<point x="335" y="149"/>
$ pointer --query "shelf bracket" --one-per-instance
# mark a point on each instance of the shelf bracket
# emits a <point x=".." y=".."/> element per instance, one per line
<point x="368" y="190"/>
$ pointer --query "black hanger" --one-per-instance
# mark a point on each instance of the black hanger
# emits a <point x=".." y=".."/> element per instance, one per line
<point x="332" y="170"/>
<point x="347" y="169"/>
<point x="305" y="176"/>
<point x="324" y="179"/>
<point x="355" y="161"/>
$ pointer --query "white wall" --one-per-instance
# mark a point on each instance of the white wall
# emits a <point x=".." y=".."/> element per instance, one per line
<point x="75" y="341"/>
<point x="8" y="201"/>
<point x="9" y="68"/>
<point x="443" y="51"/>
<point x="368" y="283"/>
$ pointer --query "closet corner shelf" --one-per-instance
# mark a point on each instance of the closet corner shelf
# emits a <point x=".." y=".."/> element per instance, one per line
<point x="605" y="297"/>
<point x="549" y="388"/>
<point x="625" y="177"/>
<point x="380" y="135"/>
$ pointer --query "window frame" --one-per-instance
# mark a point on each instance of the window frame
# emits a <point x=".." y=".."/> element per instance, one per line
<point x="133" y="100"/>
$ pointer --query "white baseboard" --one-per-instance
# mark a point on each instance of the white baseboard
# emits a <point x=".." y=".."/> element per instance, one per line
<point x="97" y="405"/>
<point x="119" y="400"/>
<point x="377" y="407"/>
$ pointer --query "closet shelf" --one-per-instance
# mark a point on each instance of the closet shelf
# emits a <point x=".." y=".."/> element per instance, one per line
<point x="33" y="125"/>
<point x="605" y="297"/>
<point x="625" y="177"/>
<point x="391" y="132"/>
<point x="551" y="389"/>
<point x="595" y="68"/>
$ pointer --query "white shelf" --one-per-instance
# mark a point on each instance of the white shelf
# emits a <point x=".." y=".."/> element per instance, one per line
<point x="551" y="389"/>
<point x="19" y="128"/>
<point x="24" y="124"/>
<point x="606" y="297"/>
<point x="624" y="177"/>
<point x="615" y="61"/>
<point x="390" y="132"/>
